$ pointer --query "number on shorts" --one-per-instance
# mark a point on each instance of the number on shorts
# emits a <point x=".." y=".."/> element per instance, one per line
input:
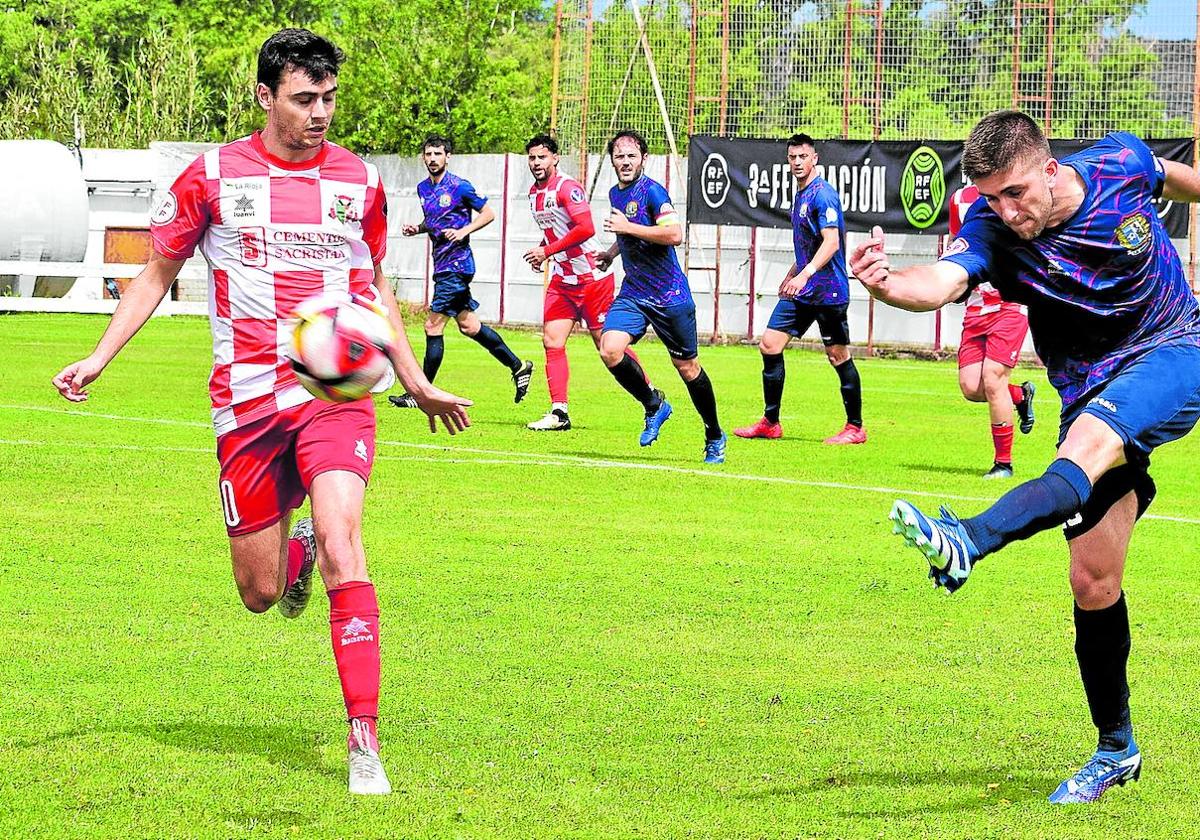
<point x="229" y="504"/>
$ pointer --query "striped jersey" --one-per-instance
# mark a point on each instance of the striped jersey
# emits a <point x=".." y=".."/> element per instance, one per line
<point x="274" y="233"/>
<point x="982" y="299"/>
<point x="557" y="207"/>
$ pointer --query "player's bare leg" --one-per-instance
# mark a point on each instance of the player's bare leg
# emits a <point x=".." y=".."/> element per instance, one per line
<point x="1102" y="643"/>
<point x="486" y="337"/>
<point x="260" y="565"/>
<point x="851" y="390"/>
<point x="558" y="376"/>
<point x="435" y="350"/>
<point x="771" y="345"/>
<point x="337" y="502"/>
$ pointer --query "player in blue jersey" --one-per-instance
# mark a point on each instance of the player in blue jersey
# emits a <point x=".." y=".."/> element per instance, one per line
<point x="448" y="203"/>
<point x="815" y="289"/>
<point x="1113" y="317"/>
<point x="654" y="293"/>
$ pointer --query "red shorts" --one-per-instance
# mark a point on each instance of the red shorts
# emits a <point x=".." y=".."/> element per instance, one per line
<point x="998" y="336"/>
<point x="587" y="303"/>
<point x="268" y="466"/>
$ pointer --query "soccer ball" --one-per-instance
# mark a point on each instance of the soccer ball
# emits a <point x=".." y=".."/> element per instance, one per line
<point x="339" y="348"/>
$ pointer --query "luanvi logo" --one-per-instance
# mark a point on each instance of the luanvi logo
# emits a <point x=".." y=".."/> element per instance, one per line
<point x="714" y="180"/>
<point x="922" y="187"/>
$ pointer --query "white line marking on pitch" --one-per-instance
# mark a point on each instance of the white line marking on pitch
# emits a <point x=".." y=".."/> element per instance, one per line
<point x="501" y="457"/>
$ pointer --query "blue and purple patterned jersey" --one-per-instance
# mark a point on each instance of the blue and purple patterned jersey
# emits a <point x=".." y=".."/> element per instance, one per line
<point x="447" y="205"/>
<point x="817" y="207"/>
<point x="652" y="272"/>
<point x="1103" y="287"/>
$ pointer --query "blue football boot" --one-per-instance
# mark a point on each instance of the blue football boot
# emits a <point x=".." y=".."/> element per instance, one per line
<point x="655" y="420"/>
<point x="943" y="541"/>
<point x="714" y="450"/>
<point x="1103" y="770"/>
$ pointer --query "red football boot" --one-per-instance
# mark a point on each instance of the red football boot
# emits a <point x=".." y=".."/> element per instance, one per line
<point x="764" y="428"/>
<point x="848" y="434"/>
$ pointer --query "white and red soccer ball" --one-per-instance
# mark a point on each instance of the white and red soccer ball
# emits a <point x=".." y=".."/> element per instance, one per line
<point x="340" y="345"/>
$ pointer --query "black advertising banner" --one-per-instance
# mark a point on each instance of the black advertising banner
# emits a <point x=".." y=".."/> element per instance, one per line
<point x="903" y="186"/>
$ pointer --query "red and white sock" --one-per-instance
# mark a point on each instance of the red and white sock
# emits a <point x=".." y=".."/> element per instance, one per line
<point x="362" y="731"/>
<point x="1018" y="396"/>
<point x="354" y="631"/>
<point x="1002" y="438"/>
<point x="296" y="554"/>
<point x="558" y="373"/>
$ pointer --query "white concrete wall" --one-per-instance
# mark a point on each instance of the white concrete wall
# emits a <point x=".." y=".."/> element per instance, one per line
<point x="505" y="180"/>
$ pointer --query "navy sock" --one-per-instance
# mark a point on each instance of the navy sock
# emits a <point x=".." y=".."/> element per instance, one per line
<point x="772" y="376"/>
<point x="851" y="388"/>
<point x="491" y="340"/>
<point x="1102" y="645"/>
<point x="632" y="378"/>
<point x="701" y="391"/>
<point x="435" y="349"/>
<point x="1048" y="500"/>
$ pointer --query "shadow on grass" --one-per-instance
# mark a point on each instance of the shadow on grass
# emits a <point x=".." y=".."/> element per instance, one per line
<point x="945" y="795"/>
<point x="287" y="746"/>
<point x="942" y="469"/>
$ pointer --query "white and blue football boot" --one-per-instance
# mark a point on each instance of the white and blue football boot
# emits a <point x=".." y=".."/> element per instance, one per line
<point x="655" y="420"/>
<point x="1103" y="770"/>
<point x="714" y="450"/>
<point x="943" y="541"/>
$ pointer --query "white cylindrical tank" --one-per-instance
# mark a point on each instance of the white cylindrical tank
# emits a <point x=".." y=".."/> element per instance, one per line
<point x="43" y="210"/>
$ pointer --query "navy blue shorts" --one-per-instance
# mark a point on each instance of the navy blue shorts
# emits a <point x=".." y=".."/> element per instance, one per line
<point x="795" y="317"/>
<point x="452" y="294"/>
<point x="675" y="325"/>
<point x="1152" y="401"/>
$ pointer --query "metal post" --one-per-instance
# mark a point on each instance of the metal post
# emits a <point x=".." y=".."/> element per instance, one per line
<point x="504" y="202"/>
<point x="1192" y="219"/>
<point x="753" y="283"/>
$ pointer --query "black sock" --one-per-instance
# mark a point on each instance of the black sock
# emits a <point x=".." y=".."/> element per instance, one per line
<point x="1048" y="500"/>
<point x="772" y="375"/>
<point x="701" y="391"/>
<point x="435" y="348"/>
<point x="491" y="340"/>
<point x="851" y="392"/>
<point x="1102" y="648"/>
<point x="632" y="378"/>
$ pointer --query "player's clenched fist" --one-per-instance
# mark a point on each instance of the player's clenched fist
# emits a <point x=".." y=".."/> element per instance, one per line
<point x="869" y="263"/>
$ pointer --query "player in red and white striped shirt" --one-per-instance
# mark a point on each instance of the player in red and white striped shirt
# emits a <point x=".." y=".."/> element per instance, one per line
<point x="578" y="290"/>
<point x="993" y="333"/>
<point x="281" y="216"/>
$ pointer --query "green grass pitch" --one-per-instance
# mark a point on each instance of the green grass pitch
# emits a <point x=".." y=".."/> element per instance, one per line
<point x="581" y="638"/>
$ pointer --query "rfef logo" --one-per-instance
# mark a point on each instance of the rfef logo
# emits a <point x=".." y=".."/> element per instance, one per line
<point x="922" y="187"/>
<point x="714" y="180"/>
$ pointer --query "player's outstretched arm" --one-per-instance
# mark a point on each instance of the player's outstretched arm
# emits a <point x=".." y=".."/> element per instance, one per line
<point x="1182" y="182"/>
<point x="919" y="288"/>
<point x="436" y="403"/>
<point x="136" y="306"/>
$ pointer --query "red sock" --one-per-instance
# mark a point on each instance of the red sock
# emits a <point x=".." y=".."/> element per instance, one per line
<point x="1002" y="435"/>
<point x="558" y="374"/>
<point x="1018" y="396"/>
<point x="295" y="561"/>
<point x="354" y="628"/>
<point x="629" y="352"/>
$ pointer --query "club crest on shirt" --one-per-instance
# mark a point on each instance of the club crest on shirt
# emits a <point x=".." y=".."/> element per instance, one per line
<point x="804" y="209"/>
<point x="1133" y="233"/>
<point x="631" y="209"/>
<point x="343" y="209"/>
<point x="444" y="200"/>
<point x="576" y="195"/>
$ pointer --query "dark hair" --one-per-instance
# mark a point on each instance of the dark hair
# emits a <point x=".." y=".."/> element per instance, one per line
<point x="627" y="134"/>
<point x="1000" y="140"/>
<point x="543" y="140"/>
<point x="301" y="49"/>
<point x="801" y="140"/>
<point x="438" y="141"/>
